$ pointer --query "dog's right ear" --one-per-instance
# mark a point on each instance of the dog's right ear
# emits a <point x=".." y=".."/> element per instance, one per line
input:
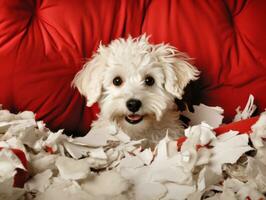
<point x="90" y="78"/>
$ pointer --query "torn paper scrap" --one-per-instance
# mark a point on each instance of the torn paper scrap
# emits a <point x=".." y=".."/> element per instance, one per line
<point x="108" y="183"/>
<point x="228" y="151"/>
<point x="248" y="110"/>
<point x="202" y="113"/>
<point x="39" y="182"/>
<point x="8" y="163"/>
<point x="72" y="169"/>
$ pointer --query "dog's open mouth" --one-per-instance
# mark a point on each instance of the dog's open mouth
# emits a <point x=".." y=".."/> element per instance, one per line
<point x="134" y="118"/>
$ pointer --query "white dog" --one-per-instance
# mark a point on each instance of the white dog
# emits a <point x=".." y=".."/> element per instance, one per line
<point x="135" y="83"/>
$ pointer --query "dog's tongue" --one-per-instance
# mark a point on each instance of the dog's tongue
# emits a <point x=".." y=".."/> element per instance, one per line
<point x="134" y="117"/>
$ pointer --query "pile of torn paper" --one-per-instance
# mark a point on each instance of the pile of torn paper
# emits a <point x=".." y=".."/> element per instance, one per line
<point x="108" y="165"/>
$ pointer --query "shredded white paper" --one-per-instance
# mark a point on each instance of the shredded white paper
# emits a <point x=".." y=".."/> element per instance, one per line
<point x="247" y="111"/>
<point x="108" y="165"/>
<point x="208" y="114"/>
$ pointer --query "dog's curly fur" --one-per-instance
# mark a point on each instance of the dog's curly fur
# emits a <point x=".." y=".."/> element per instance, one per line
<point x="132" y="60"/>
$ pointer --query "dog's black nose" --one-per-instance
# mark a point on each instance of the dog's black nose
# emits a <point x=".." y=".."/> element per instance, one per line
<point x="133" y="105"/>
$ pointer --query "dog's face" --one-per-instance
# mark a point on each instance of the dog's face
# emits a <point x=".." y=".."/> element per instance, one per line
<point x="133" y="91"/>
<point x="134" y="81"/>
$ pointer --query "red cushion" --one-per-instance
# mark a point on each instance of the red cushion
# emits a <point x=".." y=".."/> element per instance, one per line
<point x="43" y="44"/>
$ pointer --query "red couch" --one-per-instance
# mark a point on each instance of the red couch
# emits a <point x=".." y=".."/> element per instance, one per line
<point x="43" y="44"/>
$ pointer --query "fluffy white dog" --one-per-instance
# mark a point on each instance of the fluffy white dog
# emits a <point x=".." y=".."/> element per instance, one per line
<point x="135" y="84"/>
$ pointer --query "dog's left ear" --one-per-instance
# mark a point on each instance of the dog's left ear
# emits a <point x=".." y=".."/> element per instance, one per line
<point x="89" y="79"/>
<point x="177" y="69"/>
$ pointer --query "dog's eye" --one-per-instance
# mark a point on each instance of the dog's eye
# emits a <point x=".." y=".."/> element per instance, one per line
<point x="117" y="81"/>
<point x="149" y="80"/>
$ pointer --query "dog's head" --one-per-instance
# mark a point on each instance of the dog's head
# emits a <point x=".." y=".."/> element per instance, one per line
<point x="134" y="81"/>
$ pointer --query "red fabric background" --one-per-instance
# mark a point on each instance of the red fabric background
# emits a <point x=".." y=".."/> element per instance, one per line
<point x="43" y="44"/>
